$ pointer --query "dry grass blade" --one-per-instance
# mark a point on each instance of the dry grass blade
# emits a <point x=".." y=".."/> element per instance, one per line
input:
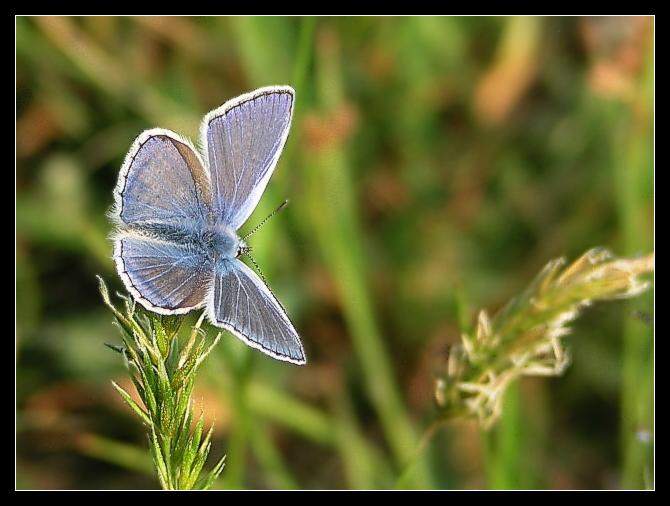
<point x="525" y="337"/>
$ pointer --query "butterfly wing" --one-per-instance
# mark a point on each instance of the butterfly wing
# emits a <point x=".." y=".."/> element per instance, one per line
<point x="244" y="139"/>
<point x="162" y="180"/>
<point x="240" y="302"/>
<point x="168" y="278"/>
<point x="162" y="194"/>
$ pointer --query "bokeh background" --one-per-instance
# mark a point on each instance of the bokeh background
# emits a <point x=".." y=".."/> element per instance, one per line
<point x="433" y="164"/>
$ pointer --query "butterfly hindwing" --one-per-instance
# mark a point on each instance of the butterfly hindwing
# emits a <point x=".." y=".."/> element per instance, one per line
<point x="165" y="277"/>
<point x="240" y="302"/>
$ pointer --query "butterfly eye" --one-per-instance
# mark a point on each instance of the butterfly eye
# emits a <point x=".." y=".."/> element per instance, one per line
<point x="243" y="249"/>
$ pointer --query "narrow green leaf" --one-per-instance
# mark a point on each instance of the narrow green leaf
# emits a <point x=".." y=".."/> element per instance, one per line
<point x="181" y="441"/>
<point x="203" y="355"/>
<point x="160" y="464"/>
<point x="117" y="349"/>
<point x="206" y="482"/>
<point x="159" y="336"/>
<point x="172" y="359"/>
<point x="133" y="405"/>
<point x="200" y="459"/>
<point x="190" y="454"/>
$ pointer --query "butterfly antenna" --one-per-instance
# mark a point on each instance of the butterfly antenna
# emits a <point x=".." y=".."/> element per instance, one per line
<point x="248" y="255"/>
<point x="282" y="206"/>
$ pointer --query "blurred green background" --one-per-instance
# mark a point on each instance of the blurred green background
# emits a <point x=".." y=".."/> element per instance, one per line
<point x="434" y="164"/>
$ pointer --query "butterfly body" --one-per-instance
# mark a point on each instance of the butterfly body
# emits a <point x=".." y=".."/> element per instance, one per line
<point x="222" y="243"/>
<point x="176" y="245"/>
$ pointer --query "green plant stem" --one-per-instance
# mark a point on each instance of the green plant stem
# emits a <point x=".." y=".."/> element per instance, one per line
<point x="239" y="435"/>
<point x="303" y="53"/>
<point x="504" y="445"/>
<point x="88" y="61"/>
<point x="237" y="449"/>
<point x="261" y="403"/>
<point x="279" y="407"/>
<point x="407" y="473"/>
<point x="333" y="209"/>
<point x="634" y="164"/>
<point x="359" y="465"/>
<point x="115" y="452"/>
<point x="275" y="469"/>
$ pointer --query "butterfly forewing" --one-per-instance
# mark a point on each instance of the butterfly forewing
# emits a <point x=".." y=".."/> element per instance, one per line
<point x="244" y="139"/>
<point x="163" y="181"/>
<point x="242" y="303"/>
<point x="166" y="277"/>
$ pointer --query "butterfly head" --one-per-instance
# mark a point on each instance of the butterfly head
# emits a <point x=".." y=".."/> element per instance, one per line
<point x="243" y="249"/>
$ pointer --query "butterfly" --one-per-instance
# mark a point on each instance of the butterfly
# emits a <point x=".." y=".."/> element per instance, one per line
<point x="177" y="217"/>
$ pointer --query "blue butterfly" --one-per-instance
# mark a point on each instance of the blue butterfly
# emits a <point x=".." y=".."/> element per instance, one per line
<point x="177" y="246"/>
